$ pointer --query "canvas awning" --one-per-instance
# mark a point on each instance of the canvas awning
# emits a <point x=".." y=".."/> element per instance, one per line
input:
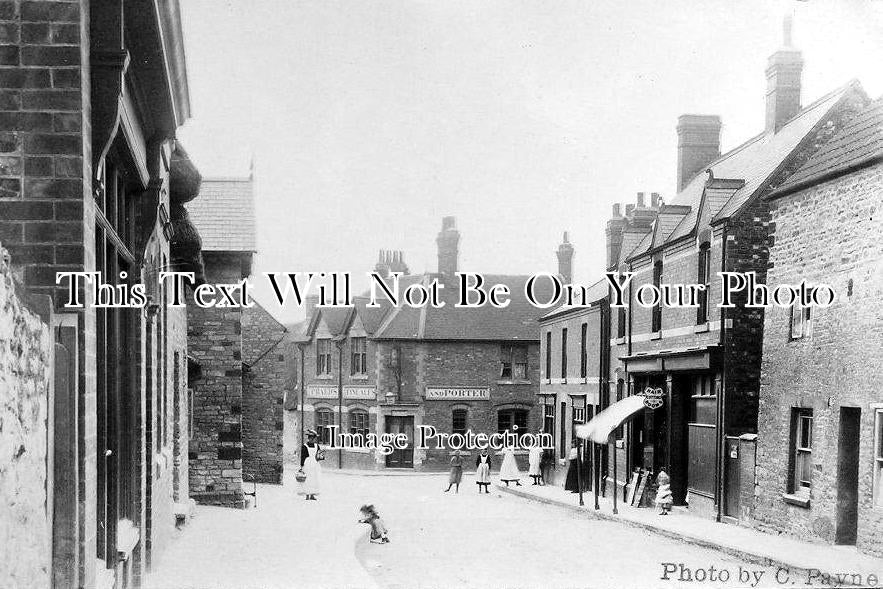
<point x="602" y="425"/>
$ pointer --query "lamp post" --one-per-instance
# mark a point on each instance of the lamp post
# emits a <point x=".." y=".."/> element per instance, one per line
<point x="302" y="343"/>
<point x="340" y="341"/>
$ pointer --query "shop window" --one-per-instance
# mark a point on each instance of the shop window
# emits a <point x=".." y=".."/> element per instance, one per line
<point x="358" y="422"/>
<point x="513" y="362"/>
<point x="508" y="418"/>
<point x="583" y="357"/>
<point x="656" y="322"/>
<point x="458" y="421"/>
<point x="801" y="451"/>
<point x="324" y="419"/>
<point x="323" y="357"/>
<point x="358" y="356"/>
<point x="878" y="457"/>
<point x="548" y="354"/>
<point x="564" y="353"/>
<point x="704" y="278"/>
<point x="800" y="321"/>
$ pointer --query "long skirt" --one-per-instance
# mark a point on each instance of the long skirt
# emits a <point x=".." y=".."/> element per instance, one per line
<point x="456" y="475"/>
<point x="313" y="484"/>
<point x="571" y="483"/>
<point x="509" y="469"/>
<point x="535" y="459"/>
<point x="483" y="474"/>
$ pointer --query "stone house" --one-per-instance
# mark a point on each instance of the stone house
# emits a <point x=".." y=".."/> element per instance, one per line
<point x="820" y="443"/>
<point x="705" y="360"/>
<point x="91" y="96"/>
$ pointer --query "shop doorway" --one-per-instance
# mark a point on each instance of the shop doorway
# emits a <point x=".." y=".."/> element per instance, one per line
<point x="847" y="475"/>
<point x="401" y="424"/>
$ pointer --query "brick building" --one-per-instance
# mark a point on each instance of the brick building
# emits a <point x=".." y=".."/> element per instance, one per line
<point x="573" y="365"/>
<point x="820" y="444"/>
<point x="452" y="368"/>
<point x="706" y="360"/>
<point x="91" y="95"/>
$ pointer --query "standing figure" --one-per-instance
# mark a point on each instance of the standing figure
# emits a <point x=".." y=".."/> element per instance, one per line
<point x="571" y="483"/>
<point x="535" y="461"/>
<point x="663" y="492"/>
<point x="378" y="528"/>
<point x="509" y="472"/>
<point x="310" y="455"/>
<point x="546" y="463"/>
<point x="483" y="471"/>
<point x="456" y="472"/>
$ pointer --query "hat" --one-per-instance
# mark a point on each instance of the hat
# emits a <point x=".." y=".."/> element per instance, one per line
<point x="312" y="432"/>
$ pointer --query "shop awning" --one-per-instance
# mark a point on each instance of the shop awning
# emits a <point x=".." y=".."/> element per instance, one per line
<point x="602" y="425"/>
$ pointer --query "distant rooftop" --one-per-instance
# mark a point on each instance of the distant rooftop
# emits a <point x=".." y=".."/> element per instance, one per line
<point x="223" y="213"/>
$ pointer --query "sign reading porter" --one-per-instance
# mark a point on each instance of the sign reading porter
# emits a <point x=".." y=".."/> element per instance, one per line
<point x="457" y="393"/>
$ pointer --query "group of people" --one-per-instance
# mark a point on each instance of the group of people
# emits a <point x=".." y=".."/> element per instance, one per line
<point x="539" y="461"/>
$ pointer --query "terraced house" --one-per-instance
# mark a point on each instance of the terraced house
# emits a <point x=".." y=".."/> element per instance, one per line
<point x="706" y="360"/>
<point x="93" y="180"/>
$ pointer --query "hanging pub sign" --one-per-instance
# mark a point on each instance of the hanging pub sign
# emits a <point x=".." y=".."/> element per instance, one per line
<point x="653" y="397"/>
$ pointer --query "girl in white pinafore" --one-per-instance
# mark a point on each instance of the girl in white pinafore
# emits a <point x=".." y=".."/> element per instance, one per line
<point x="509" y="472"/>
<point x="310" y="466"/>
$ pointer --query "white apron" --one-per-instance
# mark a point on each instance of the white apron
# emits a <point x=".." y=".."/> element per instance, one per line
<point x="313" y="471"/>
<point x="509" y="470"/>
<point x="535" y="458"/>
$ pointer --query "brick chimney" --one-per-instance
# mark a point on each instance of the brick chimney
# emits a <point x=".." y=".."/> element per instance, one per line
<point x="783" y="74"/>
<point x="397" y="262"/>
<point x="448" y="242"/>
<point x="382" y="265"/>
<point x="565" y="260"/>
<point x="698" y="145"/>
<point x="615" y="225"/>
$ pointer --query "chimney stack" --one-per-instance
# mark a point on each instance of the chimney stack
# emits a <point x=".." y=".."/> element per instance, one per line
<point x="640" y="200"/>
<point x="615" y="227"/>
<point x="565" y="260"/>
<point x="698" y="145"/>
<point x="617" y="210"/>
<point x="397" y="262"/>
<point x="448" y="242"/>
<point x="655" y="201"/>
<point x="783" y="74"/>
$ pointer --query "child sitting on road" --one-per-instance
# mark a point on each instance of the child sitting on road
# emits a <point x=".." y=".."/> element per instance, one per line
<point x="372" y="518"/>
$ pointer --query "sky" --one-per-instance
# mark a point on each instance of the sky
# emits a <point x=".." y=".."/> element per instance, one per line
<point x="370" y="120"/>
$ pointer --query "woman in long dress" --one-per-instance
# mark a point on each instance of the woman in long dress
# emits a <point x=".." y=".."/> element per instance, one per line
<point x="571" y="483"/>
<point x="456" y="472"/>
<point x="509" y="472"/>
<point x="309" y="464"/>
<point x="534" y="461"/>
<point x="483" y="471"/>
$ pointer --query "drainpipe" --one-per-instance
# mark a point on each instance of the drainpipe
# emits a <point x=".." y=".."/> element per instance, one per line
<point x="721" y="398"/>
<point x="340" y="341"/>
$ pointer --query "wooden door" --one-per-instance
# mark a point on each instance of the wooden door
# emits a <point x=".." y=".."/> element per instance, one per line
<point x="401" y="424"/>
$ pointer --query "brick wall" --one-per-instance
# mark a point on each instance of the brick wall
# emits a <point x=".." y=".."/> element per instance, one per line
<point x="263" y="391"/>
<point x="215" y="342"/>
<point x="828" y="233"/>
<point x="25" y="372"/>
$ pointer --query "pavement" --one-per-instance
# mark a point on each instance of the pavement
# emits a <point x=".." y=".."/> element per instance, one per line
<point x="809" y="561"/>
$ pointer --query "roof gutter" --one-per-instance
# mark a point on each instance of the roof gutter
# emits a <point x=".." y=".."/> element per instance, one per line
<point x="826" y="176"/>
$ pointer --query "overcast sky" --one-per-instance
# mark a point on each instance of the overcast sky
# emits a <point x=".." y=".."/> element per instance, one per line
<point x="370" y="120"/>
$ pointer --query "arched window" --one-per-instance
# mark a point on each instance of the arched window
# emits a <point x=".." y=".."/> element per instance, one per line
<point x="359" y="422"/>
<point x="324" y="418"/>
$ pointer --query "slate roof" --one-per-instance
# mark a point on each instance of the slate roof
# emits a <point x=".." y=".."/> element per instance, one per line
<point x="753" y="162"/>
<point x="224" y="215"/>
<point x="516" y="322"/>
<point x="594" y="293"/>
<point x="860" y="141"/>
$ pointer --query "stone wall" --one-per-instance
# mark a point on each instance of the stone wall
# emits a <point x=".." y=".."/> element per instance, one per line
<point x="25" y="372"/>
<point x="214" y="337"/>
<point x="828" y="233"/>
<point x="263" y="390"/>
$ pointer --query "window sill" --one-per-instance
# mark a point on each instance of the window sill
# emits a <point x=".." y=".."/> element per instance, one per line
<point x="701" y="328"/>
<point x="359" y="377"/>
<point x="798" y="500"/>
<point x="324" y="376"/>
<point x="620" y="340"/>
<point x="513" y="382"/>
<point x="655" y="335"/>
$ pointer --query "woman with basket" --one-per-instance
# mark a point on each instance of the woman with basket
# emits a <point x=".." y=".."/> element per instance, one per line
<point x="310" y="473"/>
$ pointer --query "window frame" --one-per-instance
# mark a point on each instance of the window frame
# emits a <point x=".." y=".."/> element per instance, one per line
<point x="359" y="428"/>
<point x="800" y="324"/>
<point x="459" y="412"/>
<point x="513" y="361"/>
<point x="656" y="316"/>
<point x="358" y="356"/>
<point x="703" y="278"/>
<point x="323" y="357"/>
<point x="512" y="412"/>
<point x="564" y="354"/>
<point x="549" y="355"/>
<point x="801" y="452"/>
<point x="583" y="357"/>
<point x="321" y="429"/>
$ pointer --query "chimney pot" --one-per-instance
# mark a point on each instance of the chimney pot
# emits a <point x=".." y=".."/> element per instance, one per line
<point x="617" y="211"/>
<point x="448" y="242"/>
<point x="783" y="75"/>
<point x="629" y="208"/>
<point x="654" y="199"/>
<point x="565" y="260"/>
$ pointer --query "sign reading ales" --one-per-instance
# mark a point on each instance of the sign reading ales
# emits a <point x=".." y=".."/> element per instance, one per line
<point x="458" y="393"/>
